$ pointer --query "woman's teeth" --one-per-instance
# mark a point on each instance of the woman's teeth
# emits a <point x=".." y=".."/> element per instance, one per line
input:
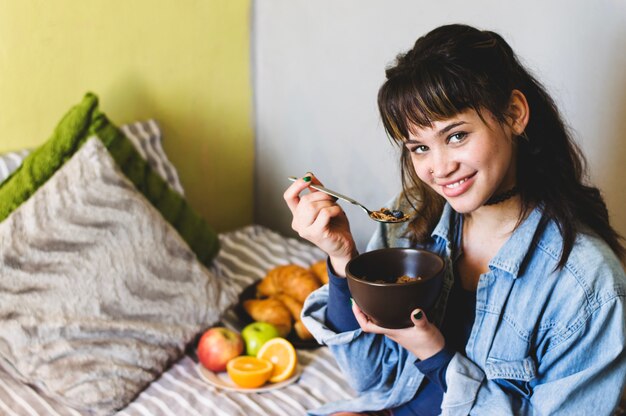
<point x="456" y="184"/>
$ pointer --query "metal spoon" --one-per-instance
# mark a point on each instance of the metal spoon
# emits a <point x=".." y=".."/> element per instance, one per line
<point x="379" y="216"/>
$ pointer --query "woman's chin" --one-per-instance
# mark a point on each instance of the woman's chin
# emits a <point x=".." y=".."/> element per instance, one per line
<point x="463" y="206"/>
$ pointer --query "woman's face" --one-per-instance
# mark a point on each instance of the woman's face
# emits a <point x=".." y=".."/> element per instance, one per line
<point x="465" y="159"/>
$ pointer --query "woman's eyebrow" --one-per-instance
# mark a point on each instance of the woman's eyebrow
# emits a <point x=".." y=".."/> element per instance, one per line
<point x="443" y="131"/>
<point x="449" y="127"/>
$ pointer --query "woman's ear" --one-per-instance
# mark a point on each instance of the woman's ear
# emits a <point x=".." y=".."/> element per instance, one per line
<point x="518" y="111"/>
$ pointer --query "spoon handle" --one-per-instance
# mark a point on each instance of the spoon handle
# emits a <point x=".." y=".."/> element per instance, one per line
<point x="333" y="193"/>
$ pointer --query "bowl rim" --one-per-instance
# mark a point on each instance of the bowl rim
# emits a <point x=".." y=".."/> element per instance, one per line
<point x="416" y="282"/>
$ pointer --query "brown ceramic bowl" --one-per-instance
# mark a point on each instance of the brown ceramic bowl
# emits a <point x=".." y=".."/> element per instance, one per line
<point x="390" y="304"/>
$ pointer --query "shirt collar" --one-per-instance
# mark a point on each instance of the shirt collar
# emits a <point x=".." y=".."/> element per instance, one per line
<point x="446" y="225"/>
<point x="511" y="255"/>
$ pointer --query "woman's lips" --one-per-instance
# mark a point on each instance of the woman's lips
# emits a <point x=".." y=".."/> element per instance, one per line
<point x="458" y="187"/>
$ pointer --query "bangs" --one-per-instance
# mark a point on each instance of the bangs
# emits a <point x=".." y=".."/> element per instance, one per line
<point x="420" y="96"/>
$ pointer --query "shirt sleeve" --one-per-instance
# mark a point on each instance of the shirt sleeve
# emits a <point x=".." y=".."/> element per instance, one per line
<point x="434" y="368"/>
<point x="339" y="316"/>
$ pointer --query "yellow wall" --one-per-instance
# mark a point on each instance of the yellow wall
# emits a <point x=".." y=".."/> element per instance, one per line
<point x="184" y="63"/>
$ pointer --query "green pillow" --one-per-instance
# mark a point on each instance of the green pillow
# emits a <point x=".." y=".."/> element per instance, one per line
<point x="81" y="122"/>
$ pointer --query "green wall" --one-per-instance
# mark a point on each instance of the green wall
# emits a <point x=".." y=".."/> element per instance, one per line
<point x="185" y="63"/>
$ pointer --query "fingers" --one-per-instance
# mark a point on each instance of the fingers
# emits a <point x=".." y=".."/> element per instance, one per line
<point x="430" y="339"/>
<point x="319" y="219"/>
<point x="325" y="214"/>
<point x="364" y="322"/>
<point x="361" y="318"/>
<point x="423" y="339"/>
<point x="313" y="214"/>
<point x="292" y="194"/>
<point x="419" y="319"/>
<point x="358" y="314"/>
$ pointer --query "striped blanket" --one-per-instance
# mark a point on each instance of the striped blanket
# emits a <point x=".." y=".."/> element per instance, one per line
<point x="246" y="255"/>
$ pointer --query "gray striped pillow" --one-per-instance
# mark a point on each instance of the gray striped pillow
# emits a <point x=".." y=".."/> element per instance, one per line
<point x="99" y="292"/>
<point x="144" y="135"/>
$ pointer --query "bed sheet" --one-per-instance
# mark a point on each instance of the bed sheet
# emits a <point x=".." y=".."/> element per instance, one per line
<point x="246" y="255"/>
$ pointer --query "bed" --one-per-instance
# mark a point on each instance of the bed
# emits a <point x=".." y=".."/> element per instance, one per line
<point x="245" y="256"/>
<point x="108" y="277"/>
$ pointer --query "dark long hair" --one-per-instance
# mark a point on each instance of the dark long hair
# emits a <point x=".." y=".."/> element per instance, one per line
<point x="458" y="67"/>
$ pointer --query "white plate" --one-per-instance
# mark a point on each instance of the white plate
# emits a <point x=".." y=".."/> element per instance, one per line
<point x="223" y="381"/>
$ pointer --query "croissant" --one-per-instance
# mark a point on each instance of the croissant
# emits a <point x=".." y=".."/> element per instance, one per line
<point x="319" y="270"/>
<point x="294" y="307"/>
<point x="302" y="331"/>
<point x="272" y="311"/>
<point x="290" y="279"/>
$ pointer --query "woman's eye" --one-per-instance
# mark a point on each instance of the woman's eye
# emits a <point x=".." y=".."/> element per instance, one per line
<point x="457" y="137"/>
<point x="419" y="149"/>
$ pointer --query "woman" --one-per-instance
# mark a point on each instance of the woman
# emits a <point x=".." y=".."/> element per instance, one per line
<point x="531" y="318"/>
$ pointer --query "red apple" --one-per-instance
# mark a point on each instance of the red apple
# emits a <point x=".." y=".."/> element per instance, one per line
<point x="217" y="346"/>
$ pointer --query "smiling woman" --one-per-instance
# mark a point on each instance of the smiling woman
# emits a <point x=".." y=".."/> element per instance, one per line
<point x="530" y="319"/>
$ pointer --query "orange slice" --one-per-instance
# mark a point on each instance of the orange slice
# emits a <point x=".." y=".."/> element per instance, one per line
<point x="249" y="372"/>
<point x="282" y="355"/>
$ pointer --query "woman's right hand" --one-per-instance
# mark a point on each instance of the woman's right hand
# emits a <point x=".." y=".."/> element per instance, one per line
<point x="319" y="219"/>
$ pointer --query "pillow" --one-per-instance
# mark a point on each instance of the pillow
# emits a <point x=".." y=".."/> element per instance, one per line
<point x="98" y="293"/>
<point x="144" y="135"/>
<point x="102" y="268"/>
<point x="80" y="122"/>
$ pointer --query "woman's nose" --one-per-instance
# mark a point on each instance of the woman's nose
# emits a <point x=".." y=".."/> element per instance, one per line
<point x="441" y="164"/>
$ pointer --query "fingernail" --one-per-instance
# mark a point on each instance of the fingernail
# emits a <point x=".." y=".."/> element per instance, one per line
<point x="418" y="315"/>
<point x="307" y="179"/>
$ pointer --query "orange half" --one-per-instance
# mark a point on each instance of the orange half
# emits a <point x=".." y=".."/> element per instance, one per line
<point x="249" y="372"/>
<point x="282" y="355"/>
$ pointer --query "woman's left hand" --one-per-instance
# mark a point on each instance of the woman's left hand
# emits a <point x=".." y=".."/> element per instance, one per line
<point x="423" y="339"/>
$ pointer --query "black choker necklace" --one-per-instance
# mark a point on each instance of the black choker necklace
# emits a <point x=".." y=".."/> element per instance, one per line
<point x="496" y="199"/>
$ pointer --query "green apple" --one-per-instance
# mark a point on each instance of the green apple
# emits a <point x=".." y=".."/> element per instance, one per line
<point x="256" y="334"/>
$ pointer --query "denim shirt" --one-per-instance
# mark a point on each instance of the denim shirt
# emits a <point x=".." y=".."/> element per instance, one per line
<point x="544" y="341"/>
